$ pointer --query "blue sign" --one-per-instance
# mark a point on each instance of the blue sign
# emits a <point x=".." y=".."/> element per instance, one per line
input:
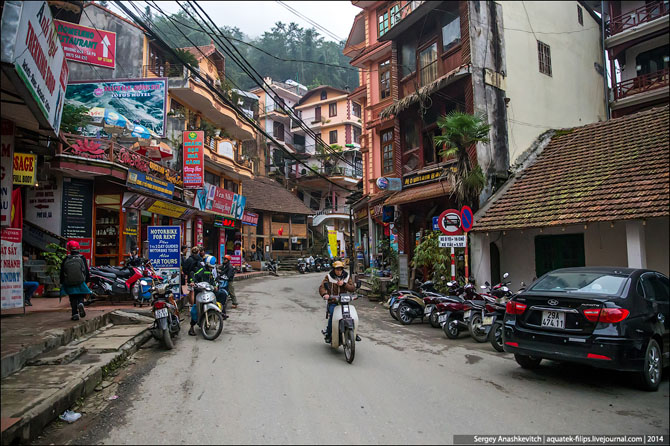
<point x="164" y="246"/>
<point x="139" y="180"/>
<point x="467" y="218"/>
<point x="436" y="226"/>
<point x="382" y="183"/>
<point x="239" y="201"/>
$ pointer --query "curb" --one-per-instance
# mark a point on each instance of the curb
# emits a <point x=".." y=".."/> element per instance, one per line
<point x="35" y="419"/>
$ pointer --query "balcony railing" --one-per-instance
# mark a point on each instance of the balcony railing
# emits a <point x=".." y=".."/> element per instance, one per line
<point x="405" y="11"/>
<point x="107" y="150"/>
<point x="338" y="171"/>
<point x="643" y="14"/>
<point x="335" y="210"/>
<point x="643" y="83"/>
<point x="167" y="70"/>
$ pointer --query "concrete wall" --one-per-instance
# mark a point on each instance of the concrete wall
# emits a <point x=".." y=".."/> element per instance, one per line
<point x="630" y="69"/>
<point x="573" y="95"/>
<point x="130" y="43"/>
<point x="603" y="246"/>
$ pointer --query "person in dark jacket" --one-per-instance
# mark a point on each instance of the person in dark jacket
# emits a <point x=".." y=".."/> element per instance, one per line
<point x="188" y="268"/>
<point x="226" y="269"/>
<point x="76" y="291"/>
<point x="336" y="282"/>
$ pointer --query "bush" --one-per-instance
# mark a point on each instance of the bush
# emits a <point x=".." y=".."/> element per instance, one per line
<point x="54" y="256"/>
<point x="438" y="260"/>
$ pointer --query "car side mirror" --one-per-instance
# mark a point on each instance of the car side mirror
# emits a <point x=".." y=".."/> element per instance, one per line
<point x="523" y="284"/>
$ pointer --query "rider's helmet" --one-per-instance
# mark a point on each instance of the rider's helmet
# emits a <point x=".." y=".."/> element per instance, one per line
<point x="227" y="257"/>
<point x="338" y="264"/>
<point x="210" y="261"/>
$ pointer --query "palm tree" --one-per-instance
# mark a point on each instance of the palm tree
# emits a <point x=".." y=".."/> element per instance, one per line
<point x="459" y="131"/>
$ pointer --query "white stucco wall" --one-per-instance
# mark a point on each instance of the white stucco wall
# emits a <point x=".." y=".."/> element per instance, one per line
<point x="573" y="95"/>
<point x="630" y="69"/>
<point x="603" y="246"/>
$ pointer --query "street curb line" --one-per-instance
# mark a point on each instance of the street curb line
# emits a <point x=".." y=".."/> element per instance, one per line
<point x="35" y="419"/>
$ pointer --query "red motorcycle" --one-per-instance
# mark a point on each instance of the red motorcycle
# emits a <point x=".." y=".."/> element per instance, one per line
<point x="115" y="281"/>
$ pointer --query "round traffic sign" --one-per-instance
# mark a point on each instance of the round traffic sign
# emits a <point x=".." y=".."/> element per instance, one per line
<point x="449" y="222"/>
<point x="467" y="218"/>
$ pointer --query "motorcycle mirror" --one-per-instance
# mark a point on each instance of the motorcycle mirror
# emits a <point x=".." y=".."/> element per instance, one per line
<point x="487" y="283"/>
<point x="523" y="284"/>
<point x="505" y="276"/>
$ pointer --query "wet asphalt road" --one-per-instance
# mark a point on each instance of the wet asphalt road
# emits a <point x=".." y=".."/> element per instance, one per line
<point x="270" y="378"/>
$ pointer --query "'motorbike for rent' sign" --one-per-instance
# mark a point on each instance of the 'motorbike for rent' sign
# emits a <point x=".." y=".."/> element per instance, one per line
<point x="87" y="45"/>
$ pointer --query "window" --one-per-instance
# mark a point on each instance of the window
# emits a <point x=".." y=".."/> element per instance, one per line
<point x="332" y="137"/>
<point x="652" y="61"/>
<point x="278" y="130"/>
<point x="324" y="95"/>
<point x="451" y="34"/>
<point x="298" y="219"/>
<point x="230" y="185"/>
<point x="212" y="179"/>
<point x="385" y="79"/>
<point x="428" y="148"/>
<point x="280" y="218"/>
<point x="356" y="109"/>
<point x="259" y="227"/>
<point x="388" y="18"/>
<point x="558" y="251"/>
<point x="279" y="244"/>
<point x="387" y="151"/>
<point x="357" y="135"/>
<point x="544" y="56"/>
<point x="317" y="113"/>
<point x="408" y="57"/>
<point x="580" y="15"/>
<point x="655" y="288"/>
<point x="428" y="64"/>
<point x="315" y="200"/>
<point x="332" y="109"/>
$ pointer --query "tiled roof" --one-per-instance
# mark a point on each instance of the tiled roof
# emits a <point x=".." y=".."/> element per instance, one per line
<point x="612" y="170"/>
<point x="202" y="51"/>
<point x="265" y="194"/>
<point x="419" y="193"/>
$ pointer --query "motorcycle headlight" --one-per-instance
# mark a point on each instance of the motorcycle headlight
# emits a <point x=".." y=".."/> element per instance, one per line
<point x="345" y="299"/>
<point x="144" y="282"/>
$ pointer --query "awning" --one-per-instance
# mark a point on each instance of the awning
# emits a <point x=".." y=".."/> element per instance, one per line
<point x="434" y="190"/>
<point x="161" y="206"/>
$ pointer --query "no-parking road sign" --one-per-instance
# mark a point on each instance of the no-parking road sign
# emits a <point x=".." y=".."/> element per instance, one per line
<point x="467" y="218"/>
<point x="449" y="222"/>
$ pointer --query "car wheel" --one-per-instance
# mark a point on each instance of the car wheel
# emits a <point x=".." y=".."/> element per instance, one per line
<point x="650" y="376"/>
<point x="527" y="362"/>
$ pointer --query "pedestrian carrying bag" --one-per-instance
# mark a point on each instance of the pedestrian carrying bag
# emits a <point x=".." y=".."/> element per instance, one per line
<point x="74" y="272"/>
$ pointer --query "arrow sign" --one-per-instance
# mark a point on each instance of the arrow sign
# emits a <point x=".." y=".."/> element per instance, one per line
<point x="449" y="222"/>
<point x="105" y="46"/>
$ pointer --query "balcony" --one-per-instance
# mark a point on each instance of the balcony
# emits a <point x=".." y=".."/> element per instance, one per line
<point x="630" y="19"/>
<point x="640" y="84"/>
<point x="167" y="70"/>
<point x="339" y="212"/>
<point x="338" y="171"/>
<point x="403" y="19"/>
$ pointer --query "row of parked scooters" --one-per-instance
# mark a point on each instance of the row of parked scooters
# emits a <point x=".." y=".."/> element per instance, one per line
<point x="123" y="281"/>
<point x="461" y="308"/>
<point x="307" y="266"/>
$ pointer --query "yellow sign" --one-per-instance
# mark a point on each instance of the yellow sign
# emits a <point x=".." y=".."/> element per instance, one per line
<point x="332" y="242"/>
<point x="25" y="168"/>
<point x="167" y="209"/>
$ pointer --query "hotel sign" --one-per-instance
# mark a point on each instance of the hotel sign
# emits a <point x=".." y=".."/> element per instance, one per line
<point x="416" y="179"/>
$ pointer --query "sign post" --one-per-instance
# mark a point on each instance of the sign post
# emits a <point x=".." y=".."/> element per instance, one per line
<point x="449" y="223"/>
<point x="467" y="221"/>
<point x="165" y="253"/>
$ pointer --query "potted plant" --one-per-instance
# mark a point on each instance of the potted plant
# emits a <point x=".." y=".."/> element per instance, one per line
<point x="54" y="256"/>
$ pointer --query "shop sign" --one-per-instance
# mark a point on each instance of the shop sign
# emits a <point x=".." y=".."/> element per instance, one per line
<point x="363" y="213"/>
<point x="236" y="260"/>
<point x="87" y="45"/>
<point x="85" y="247"/>
<point x="225" y="148"/>
<point x="77" y="208"/>
<point x="332" y="243"/>
<point x="25" y="168"/>
<point x="403" y="270"/>
<point x="150" y="183"/>
<point x="377" y="210"/>
<point x="135" y="161"/>
<point x="194" y="159"/>
<point x="37" y="56"/>
<point x="239" y="201"/>
<point x="199" y="232"/>
<point x="165" y="253"/>
<point x="223" y="222"/>
<point x="167" y="209"/>
<point x="12" y="269"/>
<point x="43" y="205"/>
<point x="415" y="179"/>
<point x="6" y="167"/>
<point x="249" y="218"/>
<point x="142" y="101"/>
<point x="386" y="183"/>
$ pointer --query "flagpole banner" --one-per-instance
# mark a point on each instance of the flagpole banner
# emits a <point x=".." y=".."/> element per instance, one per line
<point x="332" y="243"/>
<point x="6" y="171"/>
<point x="12" y="269"/>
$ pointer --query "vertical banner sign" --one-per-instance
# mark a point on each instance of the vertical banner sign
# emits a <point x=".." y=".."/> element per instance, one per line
<point x="199" y="232"/>
<point x="77" y="218"/>
<point x="194" y="159"/>
<point x="87" y="45"/>
<point x="403" y="270"/>
<point x="165" y="253"/>
<point x="222" y="244"/>
<point x="332" y="243"/>
<point x="25" y="169"/>
<point x="85" y="247"/>
<point x="12" y="269"/>
<point x="6" y="174"/>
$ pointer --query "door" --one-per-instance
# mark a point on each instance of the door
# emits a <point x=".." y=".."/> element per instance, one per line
<point x="558" y="251"/>
<point x="654" y="287"/>
<point x="495" y="263"/>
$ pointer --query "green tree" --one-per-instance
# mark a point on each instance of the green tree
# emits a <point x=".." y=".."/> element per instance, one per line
<point x="73" y="118"/>
<point x="459" y="131"/>
<point x="438" y="260"/>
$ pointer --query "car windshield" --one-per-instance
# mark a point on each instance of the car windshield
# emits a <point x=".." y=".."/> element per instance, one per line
<point x="580" y="282"/>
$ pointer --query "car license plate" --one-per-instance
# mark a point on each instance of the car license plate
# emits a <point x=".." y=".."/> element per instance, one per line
<point x="466" y="315"/>
<point x="488" y="320"/>
<point x="553" y="319"/>
<point x="442" y="318"/>
<point x="161" y="312"/>
<point x="429" y="309"/>
<point x="396" y="305"/>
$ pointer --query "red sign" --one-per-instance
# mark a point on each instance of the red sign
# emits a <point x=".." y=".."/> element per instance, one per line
<point x="199" y="232"/>
<point x="236" y="260"/>
<point x="449" y="222"/>
<point x="194" y="159"/>
<point x="85" y="245"/>
<point x="249" y="218"/>
<point x="221" y="200"/>
<point x="87" y="45"/>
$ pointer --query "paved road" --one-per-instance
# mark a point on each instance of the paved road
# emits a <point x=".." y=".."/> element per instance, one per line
<point x="270" y="378"/>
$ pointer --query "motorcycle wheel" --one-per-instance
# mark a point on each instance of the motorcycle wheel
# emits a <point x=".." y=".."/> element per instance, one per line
<point x="495" y="337"/>
<point x="212" y="324"/>
<point x="349" y="345"/>
<point x="404" y="314"/>
<point x="475" y="328"/>
<point x="393" y="315"/>
<point x="167" y="339"/>
<point x="433" y="319"/>
<point x="450" y="328"/>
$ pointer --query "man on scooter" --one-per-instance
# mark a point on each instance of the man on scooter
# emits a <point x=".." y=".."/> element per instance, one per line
<point x="201" y="273"/>
<point x="227" y="272"/>
<point x="336" y="282"/>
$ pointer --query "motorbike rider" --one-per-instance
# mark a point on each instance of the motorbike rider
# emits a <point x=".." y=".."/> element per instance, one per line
<point x="336" y="282"/>
<point x="227" y="270"/>
<point x="188" y="267"/>
<point x="203" y="272"/>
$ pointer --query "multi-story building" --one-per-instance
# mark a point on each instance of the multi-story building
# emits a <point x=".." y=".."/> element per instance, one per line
<point x="420" y="60"/>
<point x="191" y="105"/>
<point x="637" y="47"/>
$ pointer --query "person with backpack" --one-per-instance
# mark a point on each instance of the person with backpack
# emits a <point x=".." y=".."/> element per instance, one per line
<point x="73" y="277"/>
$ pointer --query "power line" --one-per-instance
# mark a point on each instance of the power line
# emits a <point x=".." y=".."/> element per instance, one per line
<point x="297" y="13"/>
<point x="528" y="18"/>
<point x="224" y="99"/>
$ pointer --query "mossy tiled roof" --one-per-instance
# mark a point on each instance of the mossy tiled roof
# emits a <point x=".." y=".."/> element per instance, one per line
<point x="606" y="171"/>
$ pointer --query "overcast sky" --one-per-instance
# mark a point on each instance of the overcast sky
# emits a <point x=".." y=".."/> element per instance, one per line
<point x="255" y="17"/>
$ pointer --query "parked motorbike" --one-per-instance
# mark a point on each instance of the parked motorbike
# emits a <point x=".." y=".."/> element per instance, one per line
<point x="407" y="305"/>
<point x="496" y="316"/>
<point x="271" y="266"/>
<point x="166" y="316"/>
<point x="345" y="325"/>
<point x="302" y="266"/>
<point x="114" y="281"/>
<point x="480" y="324"/>
<point x="209" y="311"/>
<point x="454" y="316"/>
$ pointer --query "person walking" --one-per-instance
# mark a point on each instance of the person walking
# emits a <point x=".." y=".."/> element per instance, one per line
<point x="73" y="277"/>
